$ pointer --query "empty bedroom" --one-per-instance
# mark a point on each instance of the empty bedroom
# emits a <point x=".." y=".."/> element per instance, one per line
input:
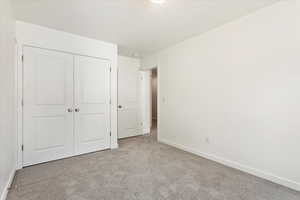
<point x="149" y="100"/>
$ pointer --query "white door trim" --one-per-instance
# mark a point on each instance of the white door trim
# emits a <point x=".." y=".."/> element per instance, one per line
<point x="45" y="38"/>
<point x="158" y="96"/>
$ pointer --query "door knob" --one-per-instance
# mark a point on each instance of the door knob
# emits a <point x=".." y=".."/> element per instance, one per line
<point x="119" y="106"/>
<point x="70" y="110"/>
<point x="77" y="109"/>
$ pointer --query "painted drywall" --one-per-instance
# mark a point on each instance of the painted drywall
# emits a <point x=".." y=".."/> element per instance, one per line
<point x="7" y="100"/>
<point x="149" y="62"/>
<point x="233" y="94"/>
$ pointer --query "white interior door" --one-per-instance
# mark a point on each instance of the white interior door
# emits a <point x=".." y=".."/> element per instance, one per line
<point x="92" y="104"/>
<point x="129" y="80"/>
<point x="48" y="94"/>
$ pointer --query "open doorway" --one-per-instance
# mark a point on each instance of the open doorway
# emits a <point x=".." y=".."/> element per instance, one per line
<point x="154" y="100"/>
<point x="130" y="80"/>
<point x="150" y="96"/>
<point x="137" y="99"/>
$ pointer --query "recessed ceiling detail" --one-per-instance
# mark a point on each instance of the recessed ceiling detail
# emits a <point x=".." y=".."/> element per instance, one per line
<point x="138" y="26"/>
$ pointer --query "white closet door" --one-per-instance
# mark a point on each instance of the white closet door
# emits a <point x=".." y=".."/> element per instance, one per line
<point x="129" y="84"/>
<point x="48" y="94"/>
<point x="92" y="103"/>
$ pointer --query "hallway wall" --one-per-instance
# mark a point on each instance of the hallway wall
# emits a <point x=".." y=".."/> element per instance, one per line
<point x="232" y="94"/>
<point x="7" y="97"/>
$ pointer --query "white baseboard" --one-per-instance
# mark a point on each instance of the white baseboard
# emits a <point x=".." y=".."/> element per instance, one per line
<point x="256" y="172"/>
<point x="7" y="186"/>
<point x="146" y="130"/>
<point x="116" y="146"/>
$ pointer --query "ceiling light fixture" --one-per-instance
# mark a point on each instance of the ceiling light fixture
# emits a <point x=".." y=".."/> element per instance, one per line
<point x="158" y="1"/>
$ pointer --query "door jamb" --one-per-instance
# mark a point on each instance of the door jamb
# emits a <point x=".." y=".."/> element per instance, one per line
<point x="19" y="104"/>
<point x="158" y="96"/>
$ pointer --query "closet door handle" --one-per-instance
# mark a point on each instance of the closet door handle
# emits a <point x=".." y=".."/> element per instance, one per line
<point x="77" y="109"/>
<point x="70" y="110"/>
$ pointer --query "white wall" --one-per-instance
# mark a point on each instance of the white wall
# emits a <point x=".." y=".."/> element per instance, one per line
<point x="150" y="61"/>
<point x="7" y="100"/>
<point x="233" y="94"/>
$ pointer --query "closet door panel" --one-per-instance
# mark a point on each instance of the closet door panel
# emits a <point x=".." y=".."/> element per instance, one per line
<point x="92" y="104"/>
<point x="48" y="101"/>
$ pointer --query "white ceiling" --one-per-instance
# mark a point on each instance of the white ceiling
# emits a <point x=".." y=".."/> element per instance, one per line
<point x="137" y="26"/>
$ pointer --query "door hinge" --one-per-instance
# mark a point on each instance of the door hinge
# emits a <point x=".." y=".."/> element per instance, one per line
<point x="22" y="147"/>
<point x="109" y="133"/>
<point x="110" y="69"/>
<point x="110" y="101"/>
<point x="22" y="58"/>
<point x="22" y="102"/>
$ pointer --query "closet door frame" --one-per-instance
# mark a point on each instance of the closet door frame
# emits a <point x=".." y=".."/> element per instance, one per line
<point x="45" y="38"/>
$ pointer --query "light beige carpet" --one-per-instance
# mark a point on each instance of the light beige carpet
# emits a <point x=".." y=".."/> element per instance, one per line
<point x="142" y="169"/>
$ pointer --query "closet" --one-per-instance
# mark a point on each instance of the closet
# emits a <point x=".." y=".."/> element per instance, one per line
<point x="66" y="105"/>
